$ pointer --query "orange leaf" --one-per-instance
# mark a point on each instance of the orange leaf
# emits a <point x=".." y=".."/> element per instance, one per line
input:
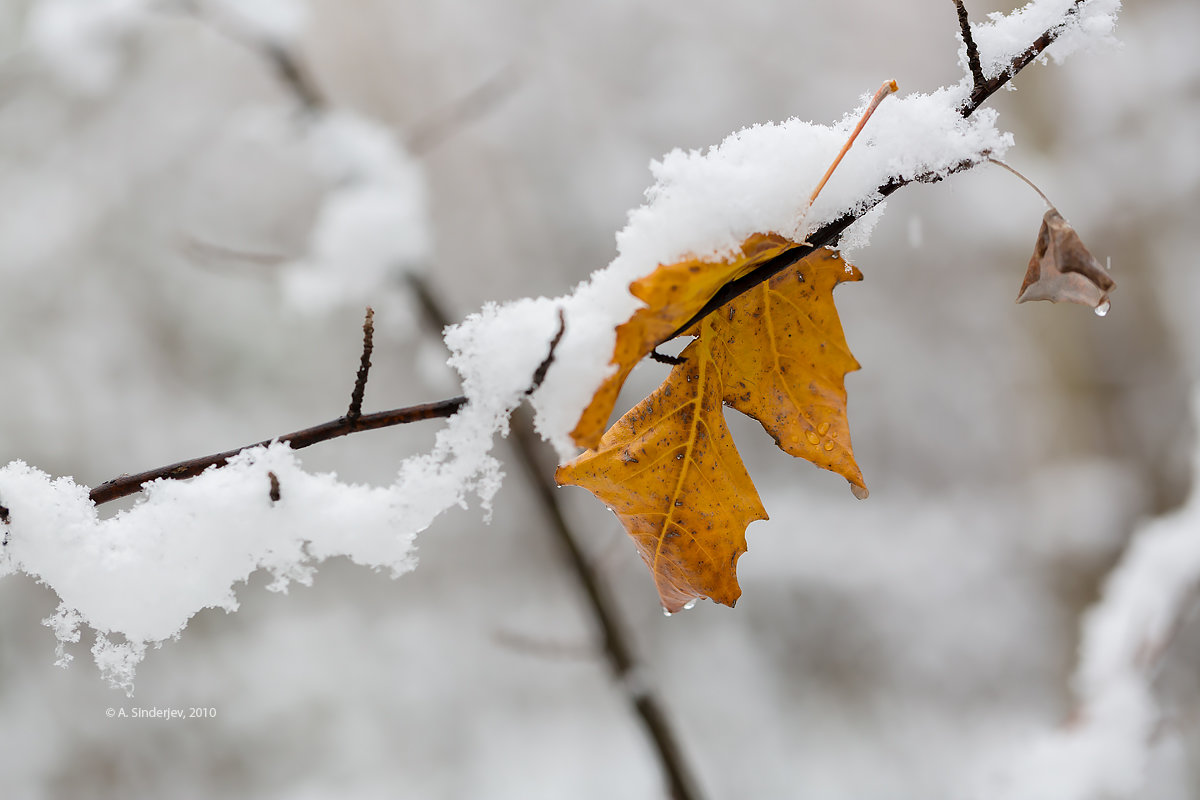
<point x="673" y="293"/>
<point x="669" y="468"/>
<point x="670" y="471"/>
<point x="783" y="360"/>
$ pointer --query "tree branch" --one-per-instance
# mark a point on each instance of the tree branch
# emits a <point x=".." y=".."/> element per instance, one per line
<point x="131" y="484"/>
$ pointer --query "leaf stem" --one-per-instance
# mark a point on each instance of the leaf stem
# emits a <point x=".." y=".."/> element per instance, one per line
<point x="888" y="87"/>
<point x="1030" y="183"/>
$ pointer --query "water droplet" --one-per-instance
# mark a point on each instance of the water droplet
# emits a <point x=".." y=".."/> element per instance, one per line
<point x="690" y="604"/>
<point x="823" y="428"/>
<point x="859" y="491"/>
<point x="828" y="446"/>
<point x="1102" y="309"/>
<point x="833" y="435"/>
<point x="679" y="456"/>
<point x="666" y="613"/>
<point x="812" y="438"/>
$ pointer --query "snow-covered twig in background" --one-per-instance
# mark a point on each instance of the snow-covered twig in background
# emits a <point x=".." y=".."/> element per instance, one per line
<point x="1103" y="750"/>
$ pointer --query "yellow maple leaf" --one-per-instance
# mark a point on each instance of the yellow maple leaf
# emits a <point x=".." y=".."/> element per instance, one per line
<point x="670" y="472"/>
<point x="669" y="468"/>
<point x="673" y="293"/>
<point x="783" y="360"/>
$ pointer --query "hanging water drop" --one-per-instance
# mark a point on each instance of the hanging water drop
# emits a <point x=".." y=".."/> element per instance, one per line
<point x="690" y="604"/>
<point x="1102" y="309"/>
<point x="859" y="491"/>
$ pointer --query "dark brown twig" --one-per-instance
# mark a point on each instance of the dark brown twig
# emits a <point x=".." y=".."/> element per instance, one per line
<point x="131" y="484"/>
<point x="539" y="374"/>
<point x="964" y="25"/>
<point x="274" y="494"/>
<point x="364" y="367"/>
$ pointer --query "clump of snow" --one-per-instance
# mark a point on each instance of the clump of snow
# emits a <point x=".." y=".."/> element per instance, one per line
<point x="373" y="222"/>
<point x="1006" y="36"/>
<point x="144" y="572"/>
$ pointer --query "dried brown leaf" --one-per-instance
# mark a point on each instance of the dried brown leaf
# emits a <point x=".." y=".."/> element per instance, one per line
<point x="1062" y="270"/>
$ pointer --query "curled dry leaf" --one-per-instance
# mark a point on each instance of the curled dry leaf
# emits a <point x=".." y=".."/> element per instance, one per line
<point x="1062" y="270"/>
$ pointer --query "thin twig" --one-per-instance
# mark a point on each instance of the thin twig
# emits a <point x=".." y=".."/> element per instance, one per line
<point x="539" y="374"/>
<point x="617" y="642"/>
<point x="964" y="25"/>
<point x="364" y="367"/>
<point x="274" y="494"/>
<point x="131" y="484"/>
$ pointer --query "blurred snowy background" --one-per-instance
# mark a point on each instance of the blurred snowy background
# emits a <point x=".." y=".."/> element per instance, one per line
<point x="183" y="268"/>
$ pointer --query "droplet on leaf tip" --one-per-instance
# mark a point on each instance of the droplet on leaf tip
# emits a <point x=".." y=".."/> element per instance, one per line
<point x="1102" y="309"/>
<point x="859" y="491"/>
<point x="666" y="613"/>
<point x="690" y="604"/>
